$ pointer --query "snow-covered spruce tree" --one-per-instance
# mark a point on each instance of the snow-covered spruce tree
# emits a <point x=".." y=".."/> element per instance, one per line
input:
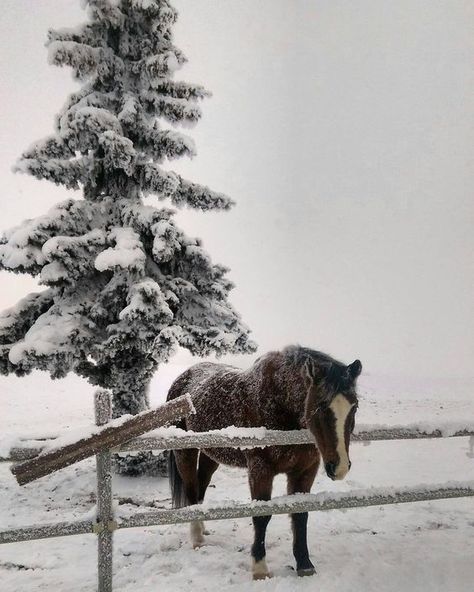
<point x="124" y="285"/>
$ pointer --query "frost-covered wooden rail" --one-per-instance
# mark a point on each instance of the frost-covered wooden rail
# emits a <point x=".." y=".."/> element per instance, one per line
<point x="121" y="435"/>
<point x="179" y="439"/>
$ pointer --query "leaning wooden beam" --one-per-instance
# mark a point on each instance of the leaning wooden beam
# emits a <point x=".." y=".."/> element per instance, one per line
<point x="110" y="436"/>
<point x="174" y="441"/>
<point x="292" y="504"/>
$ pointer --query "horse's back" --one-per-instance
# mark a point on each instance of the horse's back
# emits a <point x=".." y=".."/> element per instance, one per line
<point x="214" y="391"/>
<point x="217" y="392"/>
<point x="226" y="396"/>
<point x="191" y="379"/>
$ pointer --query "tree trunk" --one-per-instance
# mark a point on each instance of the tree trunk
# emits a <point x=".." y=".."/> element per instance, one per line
<point x="131" y="397"/>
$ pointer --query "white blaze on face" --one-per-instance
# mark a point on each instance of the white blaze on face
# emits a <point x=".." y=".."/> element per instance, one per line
<point x="340" y="406"/>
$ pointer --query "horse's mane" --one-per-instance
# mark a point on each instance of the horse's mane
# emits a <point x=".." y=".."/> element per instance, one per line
<point x="335" y="373"/>
<point x="297" y="355"/>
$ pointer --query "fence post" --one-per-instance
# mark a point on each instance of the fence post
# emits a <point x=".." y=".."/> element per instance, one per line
<point x="105" y="517"/>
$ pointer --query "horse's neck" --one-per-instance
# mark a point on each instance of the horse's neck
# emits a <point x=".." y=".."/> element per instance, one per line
<point x="290" y="390"/>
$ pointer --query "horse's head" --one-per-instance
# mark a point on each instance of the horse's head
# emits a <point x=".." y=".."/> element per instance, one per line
<point x="331" y="405"/>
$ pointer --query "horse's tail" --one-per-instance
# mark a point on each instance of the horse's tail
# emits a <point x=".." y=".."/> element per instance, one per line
<point x="178" y="493"/>
<point x="180" y="458"/>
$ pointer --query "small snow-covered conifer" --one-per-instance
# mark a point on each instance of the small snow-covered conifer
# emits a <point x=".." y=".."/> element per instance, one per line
<point x="124" y="285"/>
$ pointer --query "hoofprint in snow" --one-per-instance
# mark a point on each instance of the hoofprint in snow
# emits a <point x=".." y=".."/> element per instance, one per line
<point x="413" y="547"/>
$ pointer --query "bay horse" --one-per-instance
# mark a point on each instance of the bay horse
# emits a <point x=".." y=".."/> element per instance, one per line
<point x="285" y="390"/>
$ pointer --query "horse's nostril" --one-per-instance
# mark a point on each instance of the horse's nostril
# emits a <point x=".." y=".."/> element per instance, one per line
<point x="331" y="469"/>
<point x="350" y="465"/>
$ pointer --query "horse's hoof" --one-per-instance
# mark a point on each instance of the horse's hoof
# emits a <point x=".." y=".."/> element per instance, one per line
<point x="199" y="544"/>
<point x="260" y="570"/>
<point x="309" y="571"/>
<point x="261" y="576"/>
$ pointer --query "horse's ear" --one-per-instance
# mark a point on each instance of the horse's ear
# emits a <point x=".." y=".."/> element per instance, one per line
<point x="355" y="369"/>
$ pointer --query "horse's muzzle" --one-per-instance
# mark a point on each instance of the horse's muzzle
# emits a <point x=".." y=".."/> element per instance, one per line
<point x="331" y="470"/>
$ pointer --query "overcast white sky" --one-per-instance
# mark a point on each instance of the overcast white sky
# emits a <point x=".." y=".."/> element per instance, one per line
<point x="345" y="132"/>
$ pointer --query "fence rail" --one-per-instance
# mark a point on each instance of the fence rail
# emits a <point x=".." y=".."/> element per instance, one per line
<point x="105" y="523"/>
<point x="184" y="440"/>
<point x="287" y="504"/>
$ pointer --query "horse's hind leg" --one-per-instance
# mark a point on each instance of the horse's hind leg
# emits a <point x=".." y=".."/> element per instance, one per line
<point x="261" y="483"/>
<point x="301" y="482"/>
<point x="187" y="464"/>
<point x="207" y="467"/>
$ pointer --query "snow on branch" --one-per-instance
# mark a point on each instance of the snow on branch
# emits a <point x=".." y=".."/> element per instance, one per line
<point x="86" y="60"/>
<point x="86" y="97"/>
<point x="146" y="303"/>
<point x="166" y="240"/>
<point x="153" y="179"/>
<point x="62" y="172"/>
<point x="142" y="217"/>
<point x="86" y="34"/>
<point x="167" y="143"/>
<point x="21" y="248"/>
<point x="181" y="90"/>
<point x="20" y="258"/>
<point x="173" y="110"/>
<point x="71" y="257"/>
<point x="126" y="254"/>
<point x="208" y="326"/>
<point x="56" y="338"/>
<point x="130" y="110"/>
<point x="107" y="11"/>
<point x="119" y="152"/>
<point x="169" y="185"/>
<point x="83" y="58"/>
<point x="86" y="126"/>
<point x="16" y="321"/>
<point x="159" y="13"/>
<point x="145" y="320"/>
<point x="50" y="147"/>
<point x="200" y="197"/>
<point x="160" y="65"/>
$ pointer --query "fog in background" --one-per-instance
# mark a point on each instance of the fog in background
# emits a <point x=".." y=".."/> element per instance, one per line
<point x="345" y="133"/>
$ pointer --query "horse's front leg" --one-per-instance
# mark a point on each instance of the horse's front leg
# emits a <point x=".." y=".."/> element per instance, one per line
<point x="301" y="483"/>
<point x="261" y="481"/>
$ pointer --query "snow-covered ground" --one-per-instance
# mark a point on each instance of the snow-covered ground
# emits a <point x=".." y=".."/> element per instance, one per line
<point x="410" y="547"/>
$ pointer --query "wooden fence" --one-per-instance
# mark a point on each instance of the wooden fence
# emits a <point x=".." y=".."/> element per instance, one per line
<point x="36" y="465"/>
